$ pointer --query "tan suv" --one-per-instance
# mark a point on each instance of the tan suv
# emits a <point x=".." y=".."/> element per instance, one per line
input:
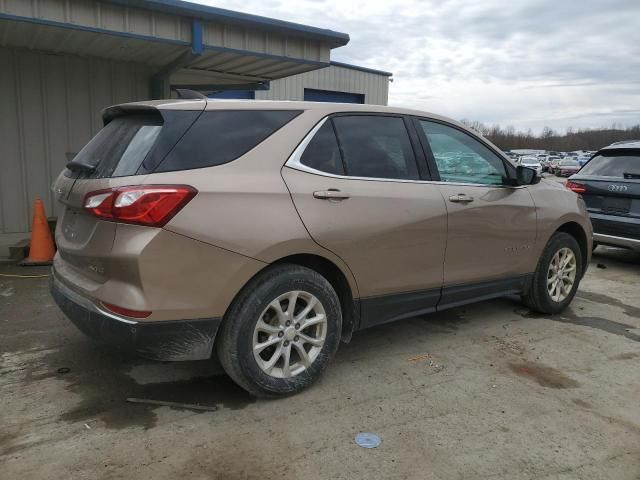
<point x="271" y="231"/>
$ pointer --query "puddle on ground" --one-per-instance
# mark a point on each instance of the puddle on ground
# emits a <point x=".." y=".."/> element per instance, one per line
<point x="113" y="409"/>
<point x="569" y="316"/>
<point x="445" y="321"/>
<point x="604" y="324"/>
<point x="546" y="376"/>
<point x="625" y="356"/>
<point x="582" y="403"/>
<point x="629" y="310"/>
<point x="99" y="376"/>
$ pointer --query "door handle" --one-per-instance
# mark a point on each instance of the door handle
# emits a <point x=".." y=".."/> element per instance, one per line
<point x="461" y="198"/>
<point x="331" y="194"/>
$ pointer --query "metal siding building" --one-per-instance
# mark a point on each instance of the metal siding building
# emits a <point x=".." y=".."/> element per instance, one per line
<point x="338" y="77"/>
<point x="63" y="61"/>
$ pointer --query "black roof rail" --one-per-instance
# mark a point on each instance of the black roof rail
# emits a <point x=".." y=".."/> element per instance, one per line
<point x="187" y="94"/>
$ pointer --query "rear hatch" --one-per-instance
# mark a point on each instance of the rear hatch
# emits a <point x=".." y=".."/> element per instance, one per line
<point x="610" y="186"/>
<point x="134" y="140"/>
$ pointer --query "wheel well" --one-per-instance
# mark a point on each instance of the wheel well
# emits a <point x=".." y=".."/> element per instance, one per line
<point x="576" y="231"/>
<point x="338" y="281"/>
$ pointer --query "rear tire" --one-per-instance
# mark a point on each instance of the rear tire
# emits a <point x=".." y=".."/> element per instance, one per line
<point x="557" y="275"/>
<point x="295" y="355"/>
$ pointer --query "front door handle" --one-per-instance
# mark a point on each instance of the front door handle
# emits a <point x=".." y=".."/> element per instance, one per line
<point x="331" y="194"/>
<point x="461" y="198"/>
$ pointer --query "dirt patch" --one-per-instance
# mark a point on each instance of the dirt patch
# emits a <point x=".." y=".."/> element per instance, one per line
<point x="546" y="376"/>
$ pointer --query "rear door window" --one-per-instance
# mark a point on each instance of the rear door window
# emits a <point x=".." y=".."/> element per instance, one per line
<point x="376" y="146"/>
<point x="219" y="137"/>
<point x="121" y="146"/>
<point x="618" y="164"/>
<point x="322" y="153"/>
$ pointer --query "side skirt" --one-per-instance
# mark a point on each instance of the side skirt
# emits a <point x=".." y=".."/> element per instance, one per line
<point x="389" y="308"/>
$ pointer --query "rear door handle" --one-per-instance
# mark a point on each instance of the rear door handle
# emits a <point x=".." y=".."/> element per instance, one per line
<point x="461" y="198"/>
<point x="331" y="194"/>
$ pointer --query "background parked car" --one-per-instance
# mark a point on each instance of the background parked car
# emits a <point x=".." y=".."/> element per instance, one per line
<point x="610" y="186"/>
<point x="554" y="163"/>
<point x="532" y="162"/>
<point x="567" y="167"/>
<point x="583" y="159"/>
<point x="546" y="164"/>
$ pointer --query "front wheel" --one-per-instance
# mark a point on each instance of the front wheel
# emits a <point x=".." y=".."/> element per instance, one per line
<point x="281" y="332"/>
<point x="557" y="275"/>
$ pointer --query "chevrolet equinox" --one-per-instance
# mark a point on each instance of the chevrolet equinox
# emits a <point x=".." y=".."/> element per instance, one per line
<point x="267" y="232"/>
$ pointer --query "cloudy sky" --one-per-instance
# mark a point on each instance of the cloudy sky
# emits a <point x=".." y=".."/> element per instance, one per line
<point x="526" y="63"/>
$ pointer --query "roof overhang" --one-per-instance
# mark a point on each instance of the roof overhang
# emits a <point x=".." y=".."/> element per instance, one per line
<point x="182" y="42"/>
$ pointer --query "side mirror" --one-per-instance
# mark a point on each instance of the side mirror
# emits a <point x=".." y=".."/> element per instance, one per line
<point x="526" y="175"/>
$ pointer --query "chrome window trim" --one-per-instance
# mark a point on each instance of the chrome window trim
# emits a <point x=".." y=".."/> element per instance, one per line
<point x="294" y="162"/>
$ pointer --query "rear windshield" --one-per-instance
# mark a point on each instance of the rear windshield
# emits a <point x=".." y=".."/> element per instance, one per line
<point x="219" y="137"/>
<point x="121" y="146"/>
<point x="614" y="164"/>
<point x="569" y="163"/>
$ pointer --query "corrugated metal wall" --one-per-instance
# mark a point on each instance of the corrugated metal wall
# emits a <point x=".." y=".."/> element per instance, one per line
<point x="51" y="107"/>
<point x="374" y="86"/>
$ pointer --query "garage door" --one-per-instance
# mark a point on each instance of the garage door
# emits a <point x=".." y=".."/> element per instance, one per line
<point x="313" y="95"/>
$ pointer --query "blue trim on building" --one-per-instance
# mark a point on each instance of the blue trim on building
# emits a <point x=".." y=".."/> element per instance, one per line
<point x="197" y="46"/>
<point x="83" y="28"/>
<point x="362" y="69"/>
<point x="215" y="14"/>
<point x="250" y="53"/>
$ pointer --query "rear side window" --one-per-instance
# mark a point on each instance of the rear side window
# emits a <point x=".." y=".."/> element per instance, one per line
<point x="219" y="137"/>
<point x="376" y="147"/>
<point x="122" y="145"/>
<point x="619" y="164"/>
<point x="322" y="152"/>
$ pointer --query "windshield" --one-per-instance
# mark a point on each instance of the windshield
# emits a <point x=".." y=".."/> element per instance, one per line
<point x="569" y="163"/>
<point x="614" y="164"/>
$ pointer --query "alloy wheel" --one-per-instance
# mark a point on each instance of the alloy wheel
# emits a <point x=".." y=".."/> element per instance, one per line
<point x="561" y="274"/>
<point x="289" y="334"/>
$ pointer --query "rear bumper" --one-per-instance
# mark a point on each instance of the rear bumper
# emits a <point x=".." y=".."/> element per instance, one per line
<point x="166" y="340"/>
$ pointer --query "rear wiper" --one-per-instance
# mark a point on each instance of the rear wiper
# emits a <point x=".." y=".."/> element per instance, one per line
<point x="76" y="166"/>
<point x="630" y="175"/>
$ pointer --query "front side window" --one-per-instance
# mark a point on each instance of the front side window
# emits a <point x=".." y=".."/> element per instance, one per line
<point x="376" y="146"/>
<point x="461" y="158"/>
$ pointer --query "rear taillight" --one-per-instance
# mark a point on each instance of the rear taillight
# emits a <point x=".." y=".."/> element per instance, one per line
<point x="149" y="205"/>
<point x="126" y="311"/>
<point x="576" y="187"/>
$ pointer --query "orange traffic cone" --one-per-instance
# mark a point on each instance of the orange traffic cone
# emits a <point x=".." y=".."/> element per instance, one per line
<point x="41" y="249"/>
